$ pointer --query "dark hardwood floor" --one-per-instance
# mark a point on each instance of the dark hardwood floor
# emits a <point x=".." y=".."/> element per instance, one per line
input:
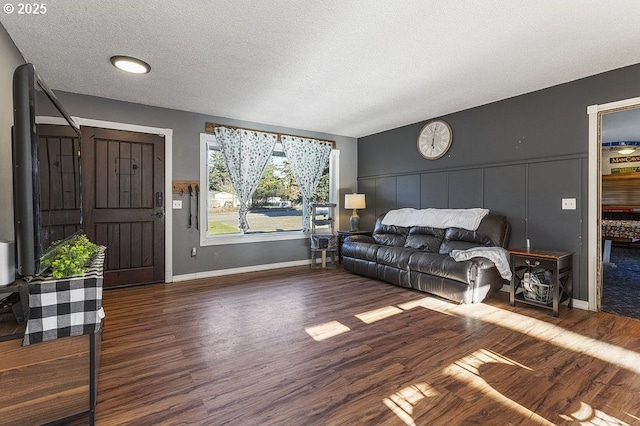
<point x="324" y="347"/>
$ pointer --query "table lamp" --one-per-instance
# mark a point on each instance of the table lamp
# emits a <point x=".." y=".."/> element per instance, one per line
<point x="355" y="202"/>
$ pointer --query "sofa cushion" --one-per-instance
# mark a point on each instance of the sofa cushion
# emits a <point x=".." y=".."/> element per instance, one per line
<point x="462" y="239"/>
<point x="393" y="275"/>
<point x="360" y="250"/>
<point x="389" y="235"/>
<point x="359" y="266"/>
<point x="497" y="228"/>
<point x="425" y="238"/>
<point x="398" y="257"/>
<point x="443" y="266"/>
<point x="359" y="239"/>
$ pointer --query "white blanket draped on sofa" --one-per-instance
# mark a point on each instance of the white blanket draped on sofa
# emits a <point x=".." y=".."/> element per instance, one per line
<point x="436" y="218"/>
<point x="497" y="255"/>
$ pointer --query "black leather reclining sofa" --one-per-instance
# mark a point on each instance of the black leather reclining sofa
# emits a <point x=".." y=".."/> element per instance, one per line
<point x="418" y="257"/>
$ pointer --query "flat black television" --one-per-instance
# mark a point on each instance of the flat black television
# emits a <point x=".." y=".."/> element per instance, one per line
<point x="47" y="194"/>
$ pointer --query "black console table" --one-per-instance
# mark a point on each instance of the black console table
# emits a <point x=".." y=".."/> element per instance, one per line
<point x="50" y="364"/>
<point x="559" y="263"/>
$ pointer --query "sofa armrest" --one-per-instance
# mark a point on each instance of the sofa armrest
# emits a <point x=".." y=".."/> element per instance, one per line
<point x="359" y="239"/>
<point x="483" y="262"/>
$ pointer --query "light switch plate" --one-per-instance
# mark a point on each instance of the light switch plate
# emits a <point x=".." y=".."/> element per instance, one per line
<point x="177" y="204"/>
<point x="568" y="204"/>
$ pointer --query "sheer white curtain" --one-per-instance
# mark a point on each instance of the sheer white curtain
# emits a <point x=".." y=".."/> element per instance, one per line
<point x="308" y="159"/>
<point x="246" y="154"/>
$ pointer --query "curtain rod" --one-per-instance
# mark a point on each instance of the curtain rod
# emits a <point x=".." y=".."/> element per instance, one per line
<point x="208" y="128"/>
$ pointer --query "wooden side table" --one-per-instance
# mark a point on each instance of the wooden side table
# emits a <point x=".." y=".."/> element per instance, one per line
<point x="342" y="235"/>
<point x="559" y="263"/>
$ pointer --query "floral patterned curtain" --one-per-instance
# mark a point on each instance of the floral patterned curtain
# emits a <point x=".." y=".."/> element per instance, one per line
<point x="308" y="159"/>
<point x="246" y="154"/>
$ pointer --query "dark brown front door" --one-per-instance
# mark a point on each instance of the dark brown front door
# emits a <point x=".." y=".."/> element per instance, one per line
<point x="123" y="202"/>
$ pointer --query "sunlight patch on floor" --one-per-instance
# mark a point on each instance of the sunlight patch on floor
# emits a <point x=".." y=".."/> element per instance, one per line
<point x="467" y="370"/>
<point x="378" y="314"/>
<point x="473" y="362"/>
<point x="403" y="401"/>
<point x="588" y="416"/>
<point x="334" y="328"/>
<point x="327" y="330"/>
<point x="552" y="333"/>
<point x="429" y="303"/>
<point x="636" y="418"/>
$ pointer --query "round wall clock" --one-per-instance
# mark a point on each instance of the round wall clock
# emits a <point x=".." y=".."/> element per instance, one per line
<point x="435" y="139"/>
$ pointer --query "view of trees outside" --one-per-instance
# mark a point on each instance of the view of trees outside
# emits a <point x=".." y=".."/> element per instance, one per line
<point x="276" y="205"/>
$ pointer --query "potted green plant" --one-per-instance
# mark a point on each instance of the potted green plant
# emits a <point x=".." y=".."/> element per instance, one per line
<point x="70" y="258"/>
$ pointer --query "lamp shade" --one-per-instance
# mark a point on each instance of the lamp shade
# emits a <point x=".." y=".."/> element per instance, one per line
<point x="354" y="201"/>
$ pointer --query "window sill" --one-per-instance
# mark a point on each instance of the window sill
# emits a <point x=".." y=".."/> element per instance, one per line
<point x="251" y="238"/>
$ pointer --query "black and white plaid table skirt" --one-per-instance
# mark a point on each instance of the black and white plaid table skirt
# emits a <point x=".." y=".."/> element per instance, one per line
<point x="67" y="307"/>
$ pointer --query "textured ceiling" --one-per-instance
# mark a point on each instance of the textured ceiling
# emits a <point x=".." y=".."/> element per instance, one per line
<point x="349" y="68"/>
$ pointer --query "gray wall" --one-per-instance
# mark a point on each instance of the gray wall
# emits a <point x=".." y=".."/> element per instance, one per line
<point x="187" y="127"/>
<point x="518" y="157"/>
<point x="11" y="58"/>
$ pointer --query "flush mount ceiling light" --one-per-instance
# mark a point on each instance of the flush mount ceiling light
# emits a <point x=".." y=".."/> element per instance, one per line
<point x="622" y="147"/>
<point x="129" y="64"/>
<point x="626" y="151"/>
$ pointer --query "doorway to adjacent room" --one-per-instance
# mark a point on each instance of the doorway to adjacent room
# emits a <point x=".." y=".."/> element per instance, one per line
<point x="620" y="210"/>
<point x="614" y="208"/>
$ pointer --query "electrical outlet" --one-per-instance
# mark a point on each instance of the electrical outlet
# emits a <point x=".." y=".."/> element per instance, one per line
<point x="177" y="204"/>
<point x="193" y="252"/>
<point x="568" y="204"/>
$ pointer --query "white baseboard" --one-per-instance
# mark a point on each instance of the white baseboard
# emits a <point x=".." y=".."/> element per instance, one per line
<point x="579" y="304"/>
<point x="242" y="270"/>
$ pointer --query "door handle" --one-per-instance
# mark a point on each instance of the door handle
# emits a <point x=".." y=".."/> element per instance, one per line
<point x="158" y="214"/>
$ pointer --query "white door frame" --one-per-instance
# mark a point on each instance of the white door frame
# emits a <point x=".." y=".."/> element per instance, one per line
<point x="168" y="178"/>
<point x="594" y="233"/>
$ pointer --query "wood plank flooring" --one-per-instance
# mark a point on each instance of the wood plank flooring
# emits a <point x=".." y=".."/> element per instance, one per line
<point x="325" y="347"/>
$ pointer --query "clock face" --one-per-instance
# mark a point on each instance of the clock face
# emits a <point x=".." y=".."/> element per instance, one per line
<point x="435" y="139"/>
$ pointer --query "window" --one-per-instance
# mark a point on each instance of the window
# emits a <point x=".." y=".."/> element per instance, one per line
<point x="275" y="208"/>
